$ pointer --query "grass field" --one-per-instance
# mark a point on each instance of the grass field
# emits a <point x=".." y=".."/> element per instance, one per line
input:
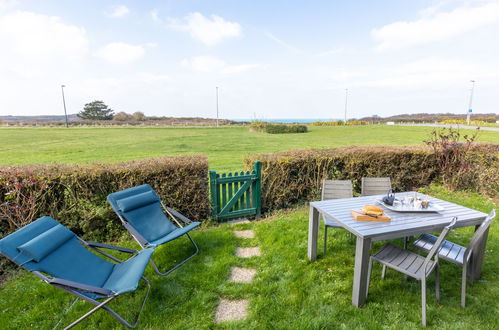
<point x="289" y="291"/>
<point x="225" y="147"/>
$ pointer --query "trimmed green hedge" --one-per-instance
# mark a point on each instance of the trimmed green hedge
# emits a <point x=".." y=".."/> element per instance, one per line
<point x="76" y="195"/>
<point x="262" y="126"/>
<point x="295" y="176"/>
<point x="284" y="129"/>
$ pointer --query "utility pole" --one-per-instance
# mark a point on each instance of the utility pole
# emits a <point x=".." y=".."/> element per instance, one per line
<point x="471" y="101"/>
<point x="64" y="103"/>
<point x="217" y="103"/>
<point x="346" y="103"/>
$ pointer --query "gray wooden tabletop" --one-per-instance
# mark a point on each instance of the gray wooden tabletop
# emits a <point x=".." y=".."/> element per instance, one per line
<point x="401" y="224"/>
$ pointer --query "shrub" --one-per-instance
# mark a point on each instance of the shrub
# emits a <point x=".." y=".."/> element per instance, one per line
<point x="357" y="123"/>
<point x="452" y="154"/>
<point x="340" y="123"/>
<point x="76" y="195"/>
<point x="292" y="177"/>
<point x="284" y="129"/>
<point x="328" y="123"/>
<point x="261" y="126"/>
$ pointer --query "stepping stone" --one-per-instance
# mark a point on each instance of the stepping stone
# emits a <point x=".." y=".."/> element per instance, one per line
<point x="248" y="252"/>
<point x="245" y="233"/>
<point x="230" y="310"/>
<point x="242" y="275"/>
<point x="237" y="221"/>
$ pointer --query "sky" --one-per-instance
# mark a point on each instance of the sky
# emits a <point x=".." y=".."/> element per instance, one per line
<point x="270" y="59"/>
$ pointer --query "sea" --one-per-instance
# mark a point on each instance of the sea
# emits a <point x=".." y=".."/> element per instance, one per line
<point x="288" y="120"/>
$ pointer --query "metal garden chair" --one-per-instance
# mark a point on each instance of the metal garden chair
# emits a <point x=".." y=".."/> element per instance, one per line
<point x="334" y="189"/>
<point x="60" y="258"/>
<point x="455" y="253"/>
<point x="375" y="186"/>
<point x="143" y="214"/>
<point x="412" y="264"/>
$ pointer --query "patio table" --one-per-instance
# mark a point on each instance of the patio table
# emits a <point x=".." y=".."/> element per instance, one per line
<point x="401" y="225"/>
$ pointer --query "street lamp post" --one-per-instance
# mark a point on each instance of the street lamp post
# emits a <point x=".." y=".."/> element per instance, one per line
<point x="471" y="101"/>
<point x="217" y="103"/>
<point x="64" y="103"/>
<point x="346" y="103"/>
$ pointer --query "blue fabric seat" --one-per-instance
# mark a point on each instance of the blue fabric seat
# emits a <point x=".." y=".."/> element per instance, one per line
<point x="60" y="258"/>
<point x="149" y="221"/>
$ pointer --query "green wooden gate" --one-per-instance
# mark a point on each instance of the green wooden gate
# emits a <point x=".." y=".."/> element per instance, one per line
<point x="237" y="194"/>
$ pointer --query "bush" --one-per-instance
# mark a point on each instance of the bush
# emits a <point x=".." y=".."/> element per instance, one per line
<point x="328" y="123"/>
<point x="340" y="123"/>
<point x="284" y="129"/>
<point x="76" y="195"/>
<point x="292" y="177"/>
<point x="261" y="126"/>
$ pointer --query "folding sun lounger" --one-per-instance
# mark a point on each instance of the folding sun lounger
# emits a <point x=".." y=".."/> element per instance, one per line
<point x="59" y="257"/>
<point x="143" y="214"/>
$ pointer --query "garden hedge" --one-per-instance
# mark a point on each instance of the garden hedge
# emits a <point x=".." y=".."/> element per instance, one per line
<point x="295" y="176"/>
<point x="76" y="195"/>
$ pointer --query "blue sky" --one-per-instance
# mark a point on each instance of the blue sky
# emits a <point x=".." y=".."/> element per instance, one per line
<point x="271" y="59"/>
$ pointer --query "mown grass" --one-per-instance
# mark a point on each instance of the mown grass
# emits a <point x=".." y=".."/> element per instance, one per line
<point x="225" y="147"/>
<point x="289" y="291"/>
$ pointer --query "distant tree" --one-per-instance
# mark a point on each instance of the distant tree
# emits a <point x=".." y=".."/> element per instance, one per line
<point x="96" y="110"/>
<point x="122" y="116"/>
<point x="139" y="116"/>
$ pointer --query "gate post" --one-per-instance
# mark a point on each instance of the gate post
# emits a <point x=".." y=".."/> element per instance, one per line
<point x="258" y="189"/>
<point x="214" y="194"/>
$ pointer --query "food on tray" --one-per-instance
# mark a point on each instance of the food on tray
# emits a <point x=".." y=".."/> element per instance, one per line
<point x="373" y="210"/>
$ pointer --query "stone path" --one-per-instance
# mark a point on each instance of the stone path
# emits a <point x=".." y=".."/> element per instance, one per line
<point x="232" y="310"/>
<point x="242" y="275"/>
<point x="248" y="252"/>
<point x="244" y="233"/>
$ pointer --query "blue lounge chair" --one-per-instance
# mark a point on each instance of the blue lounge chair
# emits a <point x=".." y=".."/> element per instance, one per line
<point x="60" y="258"/>
<point x="144" y="215"/>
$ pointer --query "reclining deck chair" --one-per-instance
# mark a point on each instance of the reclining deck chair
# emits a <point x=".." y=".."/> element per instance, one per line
<point x="143" y="214"/>
<point x="59" y="257"/>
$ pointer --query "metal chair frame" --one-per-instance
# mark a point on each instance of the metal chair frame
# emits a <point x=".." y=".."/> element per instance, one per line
<point x="75" y="288"/>
<point x="425" y="271"/>
<point x="145" y="244"/>
<point x="475" y="239"/>
<point x="328" y="186"/>
<point x="382" y="186"/>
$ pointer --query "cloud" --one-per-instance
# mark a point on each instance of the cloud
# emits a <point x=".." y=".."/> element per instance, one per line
<point x="155" y="16"/>
<point x="5" y="4"/>
<point x="435" y="27"/>
<point x="120" y="53"/>
<point x="119" y="11"/>
<point x="214" y="64"/>
<point x="427" y="73"/>
<point x="334" y="51"/>
<point x="208" y="31"/>
<point x="39" y="36"/>
<point x="282" y="43"/>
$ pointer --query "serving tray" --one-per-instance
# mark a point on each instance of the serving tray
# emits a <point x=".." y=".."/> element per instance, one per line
<point x="433" y="207"/>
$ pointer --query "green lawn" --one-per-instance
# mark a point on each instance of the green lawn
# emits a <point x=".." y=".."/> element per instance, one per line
<point x="289" y="292"/>
<point x="225" y="147"/>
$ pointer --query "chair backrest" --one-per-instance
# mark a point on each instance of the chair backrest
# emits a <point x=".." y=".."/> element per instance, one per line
<point x="438" y="243"/>
<point x="479" y="233"/>
<point x="335" y="189"/>
<point x="141" y="208"/>
<point x="375" y="186"/>
<point x="48" y="247"/>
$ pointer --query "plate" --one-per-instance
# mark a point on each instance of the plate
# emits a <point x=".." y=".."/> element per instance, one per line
<point x="433" y="207"/>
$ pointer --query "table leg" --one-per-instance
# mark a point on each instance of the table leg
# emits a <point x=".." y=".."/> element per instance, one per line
<point x="476" y="260"/>
<point x="360" y="274"/>
<point x="313" y="231"/>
